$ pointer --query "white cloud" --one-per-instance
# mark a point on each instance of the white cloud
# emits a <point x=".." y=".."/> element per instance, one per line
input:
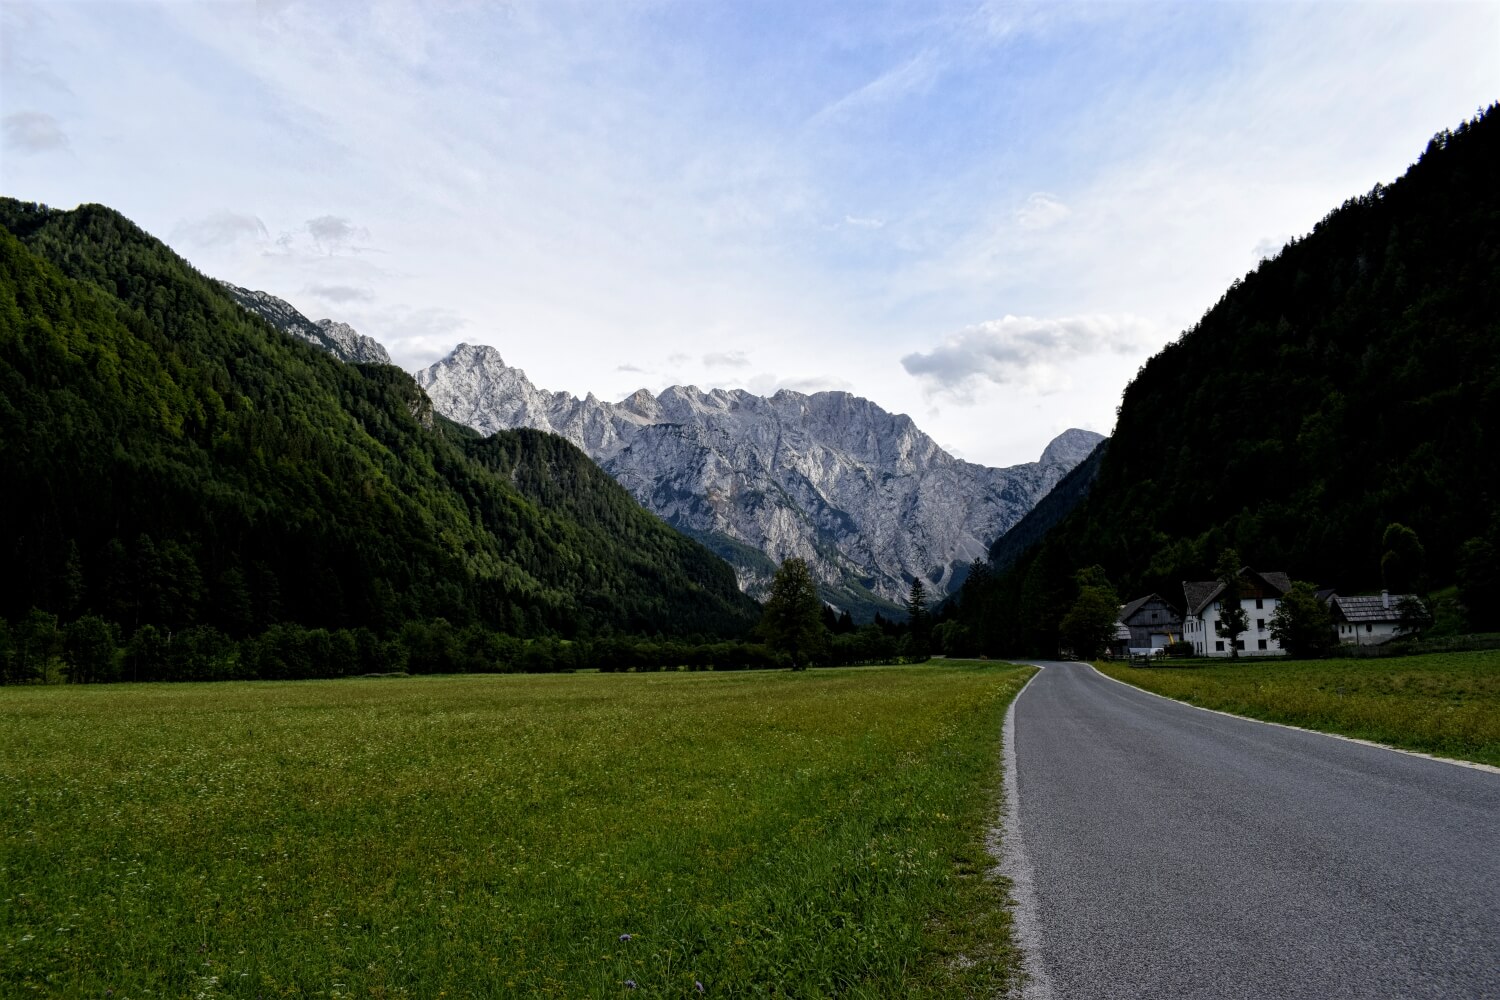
<point x="341" y="293"/>
<point x="767" y="384"/>
<point x="726" y="359"/>
<point x="221" y="229"/>
<point x="332" y="233"/>
<point x="1270" y="247"/>
<point x="1041" y="211"/>
<point x="33" y="132"/>
<point x="1025" y="352"/>
<point x="861" y="222"/>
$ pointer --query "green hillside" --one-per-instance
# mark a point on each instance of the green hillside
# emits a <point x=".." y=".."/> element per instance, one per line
<point x="1350" y="382"/>
<point x="171" y="460"/>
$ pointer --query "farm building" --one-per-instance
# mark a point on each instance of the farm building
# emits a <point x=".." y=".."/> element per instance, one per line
<point x="1368" y="620"/>
<point x="1262" y="593"/>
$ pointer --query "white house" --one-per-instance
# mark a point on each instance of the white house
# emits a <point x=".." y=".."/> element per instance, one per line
<point x="1260" y="596"/>
<point x="1367" y="620"/>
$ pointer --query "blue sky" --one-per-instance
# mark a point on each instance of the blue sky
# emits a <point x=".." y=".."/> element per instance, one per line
<point x="986" y="215"/>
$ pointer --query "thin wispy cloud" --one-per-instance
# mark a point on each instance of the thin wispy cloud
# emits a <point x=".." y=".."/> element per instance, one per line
<point x="33" y="132"/>
<point x="726" y="359"/>
<point x="341" y="293"/>
<point x="826" y="185"/>
<point x="222" y="229"/>
<point x="1041" y="211"/>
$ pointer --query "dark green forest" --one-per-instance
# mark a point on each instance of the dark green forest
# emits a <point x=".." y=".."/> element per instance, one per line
<point x="1350" y="382"/>
<point x="171" y="461"/>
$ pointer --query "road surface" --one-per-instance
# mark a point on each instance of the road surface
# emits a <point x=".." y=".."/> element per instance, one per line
<point x="1166" y="851"/>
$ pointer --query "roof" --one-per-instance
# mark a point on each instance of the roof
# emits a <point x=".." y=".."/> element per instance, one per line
<point x="1126" y="610"/>
<point x="1370" y="607"/>
<point x="1199" y="593"/>
<point x="1122" y="632"/>
<point x="1275" y="578"/>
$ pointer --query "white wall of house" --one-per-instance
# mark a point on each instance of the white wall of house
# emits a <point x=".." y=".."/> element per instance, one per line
<point x="1202" y="630"/>
<point x="1357" y="633"/>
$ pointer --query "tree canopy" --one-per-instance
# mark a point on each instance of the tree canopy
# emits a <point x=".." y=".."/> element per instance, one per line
<point x="792" y="622"/>
<point x="172" y="461"/>
<point x="1348" y="382"/>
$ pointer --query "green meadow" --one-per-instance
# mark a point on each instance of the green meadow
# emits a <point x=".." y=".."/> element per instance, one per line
<point x="668" y="835"/>
<point x="1441" y="703"/>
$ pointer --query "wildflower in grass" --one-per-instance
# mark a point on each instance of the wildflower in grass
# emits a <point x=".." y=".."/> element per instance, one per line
<point x="630" y="984"/>
<point x="699" y="986"/>
<point x="624" y="937"/>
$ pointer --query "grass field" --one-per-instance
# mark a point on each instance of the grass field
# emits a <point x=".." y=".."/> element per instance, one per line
<point x="1442" y="703"/>
<point x="760" y="834"/>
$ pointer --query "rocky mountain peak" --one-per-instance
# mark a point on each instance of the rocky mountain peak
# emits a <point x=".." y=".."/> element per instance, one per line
<point x="867" y="498"/>
<point x="339" y="339"/>
<point x="1070" y="447"/>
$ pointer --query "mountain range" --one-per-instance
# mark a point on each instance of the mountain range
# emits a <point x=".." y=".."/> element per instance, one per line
<point x="867" y="499"/>
<point x="173" y="460"/>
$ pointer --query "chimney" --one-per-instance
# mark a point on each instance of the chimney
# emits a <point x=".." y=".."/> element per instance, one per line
<point x="1385" y="599"/>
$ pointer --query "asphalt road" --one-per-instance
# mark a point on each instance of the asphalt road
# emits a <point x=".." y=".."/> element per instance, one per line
<point x="1170" y="852"/>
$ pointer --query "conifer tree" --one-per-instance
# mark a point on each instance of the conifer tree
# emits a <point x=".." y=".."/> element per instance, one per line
<point x="792" y="622"/>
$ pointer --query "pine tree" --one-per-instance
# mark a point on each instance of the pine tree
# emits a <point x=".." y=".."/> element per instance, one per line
<point x="792" y="622"/>
<point x="919" y="619"/>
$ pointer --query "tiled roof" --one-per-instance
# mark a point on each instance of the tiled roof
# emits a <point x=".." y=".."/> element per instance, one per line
<point x="1129" y="609"/>
<point x="1369" y="608"/>
<point x="1199" y="593"/>
<point x="1280" y="581"/>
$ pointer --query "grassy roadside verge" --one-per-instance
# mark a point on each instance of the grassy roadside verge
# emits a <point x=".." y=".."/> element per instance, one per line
<point x="764" y="834"/>
<point x="1446" y="704"/>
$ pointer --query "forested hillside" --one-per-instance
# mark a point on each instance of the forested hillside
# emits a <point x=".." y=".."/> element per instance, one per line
<point x="171" y="460"/>
<point x="1350" y="382"/>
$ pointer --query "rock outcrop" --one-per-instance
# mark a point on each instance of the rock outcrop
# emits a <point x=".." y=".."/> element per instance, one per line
<point x="863" y="495"/>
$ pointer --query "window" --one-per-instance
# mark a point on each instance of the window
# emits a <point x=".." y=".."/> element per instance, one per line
<point x="1259" y="604"/>
<point x="1239" y="644"/>
<point x="1260" y="624"/>
<point x="1369" y="628"/>
<point x="1219" y="645"/>
<point x="1262" y="644"/>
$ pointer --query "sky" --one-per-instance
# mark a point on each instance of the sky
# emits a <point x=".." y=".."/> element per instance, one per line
<point x="984" y="215"/>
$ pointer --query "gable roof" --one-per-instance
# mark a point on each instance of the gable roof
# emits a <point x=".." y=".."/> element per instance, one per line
<point x="1369" y="607"/>
<point x="1126" y="610"/>
<point x="1278" y="580"/>
<point x="1199" y="593"/>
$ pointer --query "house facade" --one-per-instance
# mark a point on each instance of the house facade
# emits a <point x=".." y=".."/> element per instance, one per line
<point x="1151" y="623"/>
<point x="1260" y="597"/>
<point x="1367" y="620"/>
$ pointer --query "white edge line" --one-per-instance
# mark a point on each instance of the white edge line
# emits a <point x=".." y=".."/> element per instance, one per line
<point x="1006" y="845"/>
<point x="1475" y="765"/>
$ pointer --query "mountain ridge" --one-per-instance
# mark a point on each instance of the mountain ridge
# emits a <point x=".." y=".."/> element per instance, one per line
<point x="867" y="498"/>
<point x="339" y="339"/>
<point x="174" y="460"/>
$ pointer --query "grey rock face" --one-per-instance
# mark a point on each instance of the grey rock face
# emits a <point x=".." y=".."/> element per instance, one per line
<point x="339" y="339"/>
<point x="861" y="494"/>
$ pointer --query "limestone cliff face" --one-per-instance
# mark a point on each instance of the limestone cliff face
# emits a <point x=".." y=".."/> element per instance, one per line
<point x="339" y="339"/>
<point x="861" y="494"/>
